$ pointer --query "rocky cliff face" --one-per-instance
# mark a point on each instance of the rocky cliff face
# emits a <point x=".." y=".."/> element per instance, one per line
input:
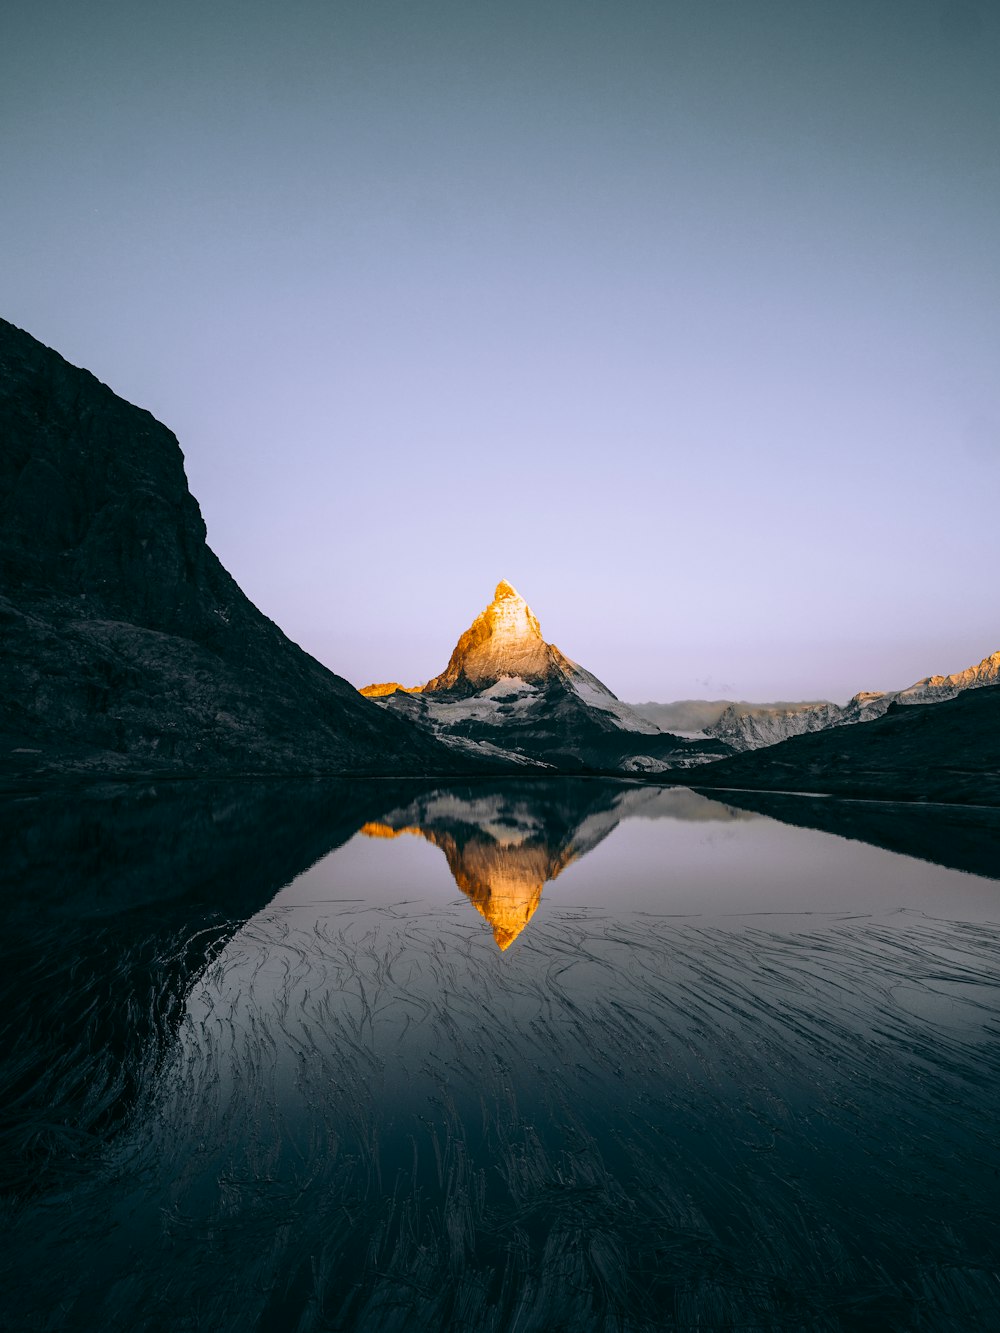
<point x="125" y="644"/>
<point x="504" y="642"/>
<point x="505" y="691"/>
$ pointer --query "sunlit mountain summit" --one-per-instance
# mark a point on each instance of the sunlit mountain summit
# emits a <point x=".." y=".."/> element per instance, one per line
<point x="507" y="692"/>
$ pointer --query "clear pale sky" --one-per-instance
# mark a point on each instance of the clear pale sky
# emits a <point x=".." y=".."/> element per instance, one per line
<point x="682" y="317"/>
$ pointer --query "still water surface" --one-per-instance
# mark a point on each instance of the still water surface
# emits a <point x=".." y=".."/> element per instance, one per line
<point x="564" y="1055"/>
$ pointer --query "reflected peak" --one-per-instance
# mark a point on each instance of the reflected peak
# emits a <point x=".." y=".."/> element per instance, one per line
<point x="503" y="844"/>
<point x="502" y="876"/>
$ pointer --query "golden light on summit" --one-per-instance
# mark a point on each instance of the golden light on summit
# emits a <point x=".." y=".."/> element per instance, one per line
<point x="373" y="829"/>
<point x="505" y="639"/>
<point x="506" y="694"/>
<point x="380" y="690"/>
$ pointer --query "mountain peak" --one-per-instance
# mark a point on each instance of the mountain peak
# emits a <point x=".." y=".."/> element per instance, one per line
<point x="986" y="672"/>
<point x="509" y="693"/>
<point x="504" y="640"/>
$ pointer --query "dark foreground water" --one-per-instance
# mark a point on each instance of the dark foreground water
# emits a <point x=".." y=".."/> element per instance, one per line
<point x="563" y="1055"/>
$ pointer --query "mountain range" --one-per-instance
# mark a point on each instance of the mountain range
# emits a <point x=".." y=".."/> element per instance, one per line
<point x="936" y="740"/>
<point x="506" y="693"/>
<point x="947" y="750"/>
<point x="746" y="726"/>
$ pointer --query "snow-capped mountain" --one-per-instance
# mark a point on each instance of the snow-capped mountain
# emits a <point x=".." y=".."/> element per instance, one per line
<point x="507" y="692"/>
<point x="753" y="726"/>
<point x="935" y="688"/>
<point x="944" y="750"/>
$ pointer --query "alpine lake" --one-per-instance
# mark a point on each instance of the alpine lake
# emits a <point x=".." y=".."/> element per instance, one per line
<point x="565" y="1054"/>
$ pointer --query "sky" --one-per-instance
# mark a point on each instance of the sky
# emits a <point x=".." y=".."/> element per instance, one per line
<point x="684" y="317"/>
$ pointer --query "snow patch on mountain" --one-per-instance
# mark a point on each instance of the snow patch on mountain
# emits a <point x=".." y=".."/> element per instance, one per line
<point x="595" y="695"/>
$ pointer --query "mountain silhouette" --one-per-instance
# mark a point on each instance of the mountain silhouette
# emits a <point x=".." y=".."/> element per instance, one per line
<point x="126" y="646"/>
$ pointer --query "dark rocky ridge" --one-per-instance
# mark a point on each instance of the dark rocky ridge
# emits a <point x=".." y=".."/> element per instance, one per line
<point x="948" y="751"/>
<point x="126" y="646"/>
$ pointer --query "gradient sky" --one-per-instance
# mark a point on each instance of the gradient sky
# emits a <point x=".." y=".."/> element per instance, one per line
<point x="683" y="317"/>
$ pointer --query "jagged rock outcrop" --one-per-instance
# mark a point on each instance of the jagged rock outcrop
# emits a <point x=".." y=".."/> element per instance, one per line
<point x="749" y="726"/>
<point x="382" y="688"/>
<point x="505" y="691"/>
<point x="504" y="640"/>
<point x="124" y="644"/>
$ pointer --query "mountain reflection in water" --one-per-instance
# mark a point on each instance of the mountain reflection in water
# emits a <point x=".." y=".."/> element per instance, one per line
<point x="265" y="1072"/>
<point x="504" y="846"/>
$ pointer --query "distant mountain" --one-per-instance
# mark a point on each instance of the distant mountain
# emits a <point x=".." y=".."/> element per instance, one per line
<point x="506" y="692"/>
<point x="939" y="751"/>
<point x="684" y="715"/>
<point x="125" y="645"/>
<point x="745" y="726"/>
<point x="933" y="689"/>
<point x="699" y="717"/>
<point x="751" y="726"/>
